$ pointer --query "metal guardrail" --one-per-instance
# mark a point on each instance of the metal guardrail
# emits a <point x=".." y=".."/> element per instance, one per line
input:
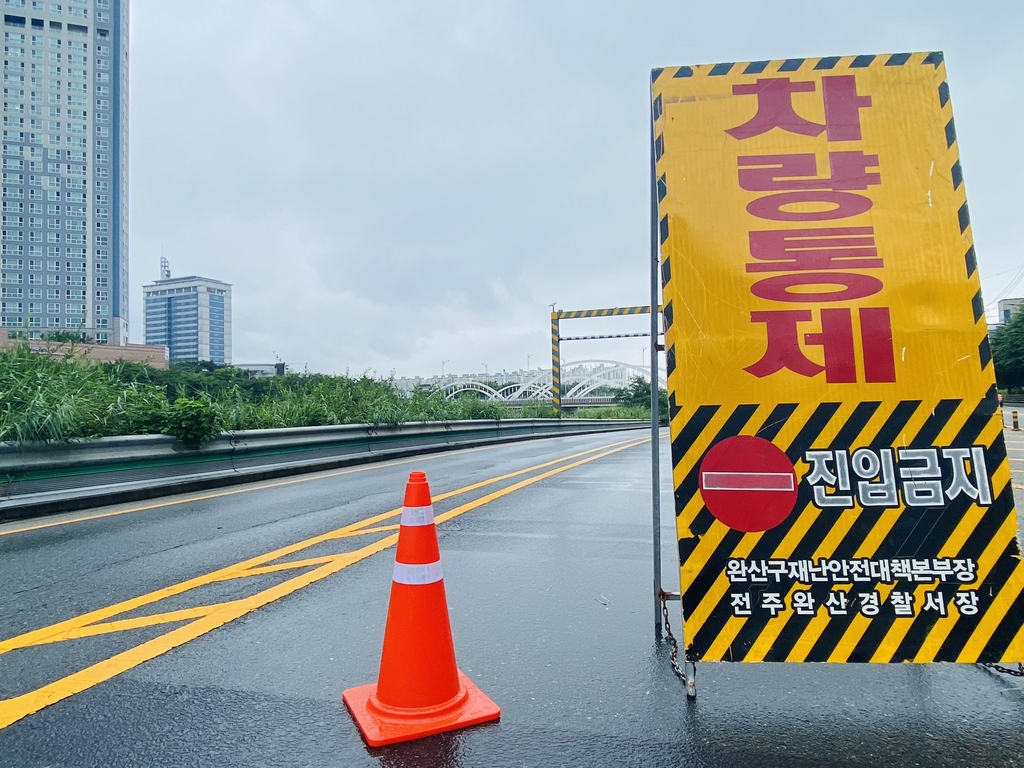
<point x="39" y="479"/>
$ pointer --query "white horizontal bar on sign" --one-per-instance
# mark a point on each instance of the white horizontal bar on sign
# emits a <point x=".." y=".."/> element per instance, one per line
<point x="417" y="516"/>
<point x="747" y="481"/>
<point x="417" y="574"/>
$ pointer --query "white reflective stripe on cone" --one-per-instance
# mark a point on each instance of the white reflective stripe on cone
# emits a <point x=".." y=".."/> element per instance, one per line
<point x="417" y="574"/>
<point x="418" y="515"/>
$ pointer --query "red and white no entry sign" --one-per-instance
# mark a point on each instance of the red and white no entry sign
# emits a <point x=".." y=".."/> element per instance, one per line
<point x="748" y="483"/>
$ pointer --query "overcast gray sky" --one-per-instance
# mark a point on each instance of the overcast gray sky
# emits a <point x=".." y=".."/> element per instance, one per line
<point x="392" y="184"/>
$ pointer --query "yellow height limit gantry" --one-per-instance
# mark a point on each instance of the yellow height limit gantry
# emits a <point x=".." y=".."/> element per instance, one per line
<point x="577" y="314"/>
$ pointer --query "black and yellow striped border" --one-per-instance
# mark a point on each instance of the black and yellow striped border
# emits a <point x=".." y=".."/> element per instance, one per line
<point x="962" y="529"/>
<point x="556" y="364"/>
<point x="575" y="314"/>
<point x="935" y="58"/>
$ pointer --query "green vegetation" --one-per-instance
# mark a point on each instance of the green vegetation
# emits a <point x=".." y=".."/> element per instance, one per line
<point x="635" y="402"/>
<point x="45" y="399"/>
<point x="1008" y="354"/>
<point x="42" y="398"/>
<point x="193" y="420"/>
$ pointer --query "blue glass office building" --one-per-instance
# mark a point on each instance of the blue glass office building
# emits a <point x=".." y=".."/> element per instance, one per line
<point x="191" y="316"/>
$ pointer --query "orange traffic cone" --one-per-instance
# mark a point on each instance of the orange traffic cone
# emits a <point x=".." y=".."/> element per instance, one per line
<point x="419" y="691"/>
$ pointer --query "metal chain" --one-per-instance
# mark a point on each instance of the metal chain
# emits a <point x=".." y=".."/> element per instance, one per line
<point x="673" y="646"/>
<point x="1018" y="672"/>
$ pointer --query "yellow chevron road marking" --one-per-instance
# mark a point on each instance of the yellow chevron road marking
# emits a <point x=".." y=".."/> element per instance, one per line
<point x="211" y="617"/>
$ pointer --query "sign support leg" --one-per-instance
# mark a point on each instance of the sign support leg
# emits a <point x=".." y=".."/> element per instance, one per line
<point x="556" y="365"/>
<point x="655" y="263"/>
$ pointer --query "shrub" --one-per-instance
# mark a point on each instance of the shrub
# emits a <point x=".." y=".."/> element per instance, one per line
<point x="194" y="421"/>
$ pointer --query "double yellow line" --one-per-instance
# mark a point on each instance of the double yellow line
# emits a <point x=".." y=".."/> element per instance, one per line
<point x="204" y="618"/>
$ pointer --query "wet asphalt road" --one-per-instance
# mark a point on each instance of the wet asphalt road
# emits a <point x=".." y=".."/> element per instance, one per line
<point x="549" y="591"/>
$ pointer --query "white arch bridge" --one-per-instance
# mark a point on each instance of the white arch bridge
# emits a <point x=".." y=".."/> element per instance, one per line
<point x="581" y="382"/>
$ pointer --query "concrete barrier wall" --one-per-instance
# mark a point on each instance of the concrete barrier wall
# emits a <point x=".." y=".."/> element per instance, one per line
<point x="38" y="479"/>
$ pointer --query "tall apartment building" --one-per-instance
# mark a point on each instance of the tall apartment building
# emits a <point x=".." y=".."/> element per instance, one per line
<point x="64" y="263"/>
<point x="191" y="316"/>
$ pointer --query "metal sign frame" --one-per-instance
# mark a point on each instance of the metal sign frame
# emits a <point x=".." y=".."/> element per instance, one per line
<point x="558" y="315"/>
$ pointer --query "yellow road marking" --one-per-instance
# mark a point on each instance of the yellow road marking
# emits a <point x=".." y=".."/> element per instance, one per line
<point x="278" y="567"/>
<point x="142" y="621"/>
<point x="245" y="565"/>
<point x="13" y="709"/>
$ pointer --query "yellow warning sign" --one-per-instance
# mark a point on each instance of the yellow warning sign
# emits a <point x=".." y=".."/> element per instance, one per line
<point x="842" y="488"/>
